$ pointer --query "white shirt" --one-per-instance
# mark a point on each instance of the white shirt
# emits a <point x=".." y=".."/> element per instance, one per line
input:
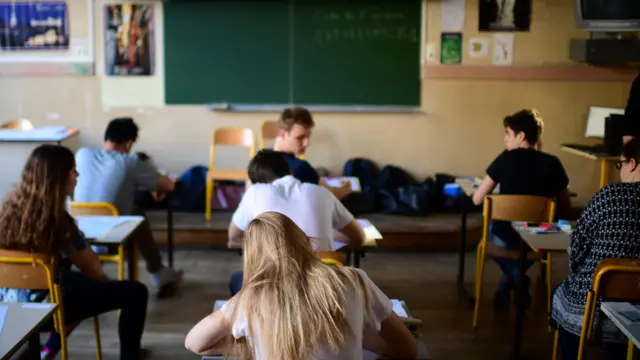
<point x="359" y="319"/>
<point x="312" y="207"/>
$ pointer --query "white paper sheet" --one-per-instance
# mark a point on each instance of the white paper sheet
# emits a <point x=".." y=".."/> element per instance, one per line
<point x="452" y="14"/>
<point x="370" y="231"/>
<point x="503" y="49"/>
<point x="95" y="228"/>
<point x="36" y="306"/>
<point x="337" y="181"/>
<point x="621" y="307"/>
<point x="3" y="315"/>
<point x="398" y="308"/>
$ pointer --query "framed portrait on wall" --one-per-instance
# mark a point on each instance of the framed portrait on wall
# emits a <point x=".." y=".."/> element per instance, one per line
<point x="129" y="39"/>
<point x="504" y="15"/>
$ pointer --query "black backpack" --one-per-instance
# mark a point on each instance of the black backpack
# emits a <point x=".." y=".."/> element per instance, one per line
<point x="366" y="171"/>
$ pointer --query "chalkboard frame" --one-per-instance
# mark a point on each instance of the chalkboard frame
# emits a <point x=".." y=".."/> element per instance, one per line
<point x="232" y="106"/>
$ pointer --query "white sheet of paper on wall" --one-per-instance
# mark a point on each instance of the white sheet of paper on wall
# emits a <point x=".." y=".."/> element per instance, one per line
<point x="79" y="47"/>
<point x="503" y="49"/>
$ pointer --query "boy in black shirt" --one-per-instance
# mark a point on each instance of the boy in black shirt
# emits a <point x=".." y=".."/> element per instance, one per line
<point x="522" y="169"/>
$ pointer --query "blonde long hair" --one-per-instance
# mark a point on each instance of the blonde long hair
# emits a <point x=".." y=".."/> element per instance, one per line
<point x="294" y="303"/>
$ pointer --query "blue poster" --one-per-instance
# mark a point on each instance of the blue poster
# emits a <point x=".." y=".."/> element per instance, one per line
<point x="34" y="25"/>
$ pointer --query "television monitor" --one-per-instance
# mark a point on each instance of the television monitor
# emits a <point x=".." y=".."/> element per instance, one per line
<point x="597" y="119"/>
<point x="608" y="15"/>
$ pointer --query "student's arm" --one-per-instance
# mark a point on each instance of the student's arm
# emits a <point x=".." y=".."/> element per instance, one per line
<point x="211" y="336"/>
<point x="352" y="234"/>
<point x="486" y="188"/>
<point x="340" y="192"/>
<point x="384" y="331"/>
<point x="147" y="177"/>
<point x="394" y="339"/>
<point x="86" y="260"/>
<point x="493" y="177"/>
<point x="560" y="181"/>
<point x="346" y="227"/>
<point x="241" y="218"/>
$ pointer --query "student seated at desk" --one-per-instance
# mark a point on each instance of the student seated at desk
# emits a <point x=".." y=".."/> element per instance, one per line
<point x="293" y="306"/>
<point x="295" y="126"/>
<point x="608" y="228"/>
<point x="34" y="219"/>
<point x="522" y="169"/>
<point x="320" y="214"/>
<point x="112" y="174"/>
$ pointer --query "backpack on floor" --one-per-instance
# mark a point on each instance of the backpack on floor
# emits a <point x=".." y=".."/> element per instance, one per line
<point x="366" y="171"/>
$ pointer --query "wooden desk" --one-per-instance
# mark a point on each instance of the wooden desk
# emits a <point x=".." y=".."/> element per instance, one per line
<point x="423" y="352"/>
<point x="604" y="158"/>
<point x="17" y="145"/>
<point x="23" y="323"/>
<point x="541" y="243"/>
<point x="119" y="230"/>
<point x="632" y="331"/>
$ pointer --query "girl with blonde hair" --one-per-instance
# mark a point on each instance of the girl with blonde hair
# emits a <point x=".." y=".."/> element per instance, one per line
<point x="292" y="306"/>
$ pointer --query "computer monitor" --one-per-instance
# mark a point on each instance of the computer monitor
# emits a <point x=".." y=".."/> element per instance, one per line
<point x="596" y="120"/>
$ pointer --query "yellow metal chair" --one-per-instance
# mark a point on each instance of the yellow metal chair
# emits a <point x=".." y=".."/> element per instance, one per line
<point x="17" y="124"/>
<point x="23" y="270"/>
<point x="227" y="137"/>
<point x="269" y="131"/>
<point x="107" y="209"/>
<point x="331" y="258"/>
<point x="511" y="208"/>
<point x="614" y="279"/>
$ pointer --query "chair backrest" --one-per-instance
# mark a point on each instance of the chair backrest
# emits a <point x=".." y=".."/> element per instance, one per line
<point x="331" y="257"/>
<point x="618" y="279"/>
<point x="17" y="124"/>
<point x="93" y="208"/>
<point x="268" y="131"/>
<point x="23" y="270"/>
<point x="516" y="208"/>
<point x="231" y="136"/>
<point x="519" y="208"/>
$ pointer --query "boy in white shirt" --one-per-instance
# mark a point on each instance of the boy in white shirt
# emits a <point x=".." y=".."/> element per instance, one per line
<point x="313" y="208"/>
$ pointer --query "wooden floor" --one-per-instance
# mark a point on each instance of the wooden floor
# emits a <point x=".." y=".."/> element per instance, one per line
<point x="425" y="281"/>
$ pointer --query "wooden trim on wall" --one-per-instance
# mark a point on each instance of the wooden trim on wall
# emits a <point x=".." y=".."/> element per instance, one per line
<point x="527" y="73"/>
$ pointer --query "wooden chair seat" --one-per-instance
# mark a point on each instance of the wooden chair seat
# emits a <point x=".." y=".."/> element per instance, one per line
<point x="228" y="174"/>
<point x="496" y="251"/>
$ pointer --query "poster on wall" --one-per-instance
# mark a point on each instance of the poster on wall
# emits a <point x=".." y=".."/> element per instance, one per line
<point x="504" y="15"/>
<point x="451" y="48"/>
<point x="34" y="26"/>
<point x="129" y="43"/>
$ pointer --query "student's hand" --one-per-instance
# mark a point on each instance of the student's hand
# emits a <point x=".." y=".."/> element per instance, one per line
<point x="345" y="187"/>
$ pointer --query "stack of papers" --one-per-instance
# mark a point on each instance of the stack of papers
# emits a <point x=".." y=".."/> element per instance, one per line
<point x="370" y="231"/>
<point x="42" y="133"/>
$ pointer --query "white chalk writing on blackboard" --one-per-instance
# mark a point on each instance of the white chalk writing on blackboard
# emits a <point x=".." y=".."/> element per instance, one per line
<point x="339" y="34"/>
<point x="372" y="14"/>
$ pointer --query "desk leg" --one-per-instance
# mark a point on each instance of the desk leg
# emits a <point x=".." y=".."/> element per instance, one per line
<point x="33" y="351"/>
<point x="604" y="173"/>
<point x="463" y="246"/>
<point x="170" y="230"/>
<point x="520" y="293"/>
<point x="356" y="258"/>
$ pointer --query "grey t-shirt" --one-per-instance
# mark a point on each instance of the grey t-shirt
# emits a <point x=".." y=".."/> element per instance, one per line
<point x="112" y="176"/>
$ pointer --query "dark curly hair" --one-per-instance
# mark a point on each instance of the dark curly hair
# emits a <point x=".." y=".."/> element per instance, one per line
<point x="34" y="217"/>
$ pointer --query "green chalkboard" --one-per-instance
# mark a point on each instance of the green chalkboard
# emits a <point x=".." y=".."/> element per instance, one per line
<point x="307" y="52"/>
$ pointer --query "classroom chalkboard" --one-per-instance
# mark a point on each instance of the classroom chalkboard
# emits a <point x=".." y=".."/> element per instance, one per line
<point x="306" y="52"/>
